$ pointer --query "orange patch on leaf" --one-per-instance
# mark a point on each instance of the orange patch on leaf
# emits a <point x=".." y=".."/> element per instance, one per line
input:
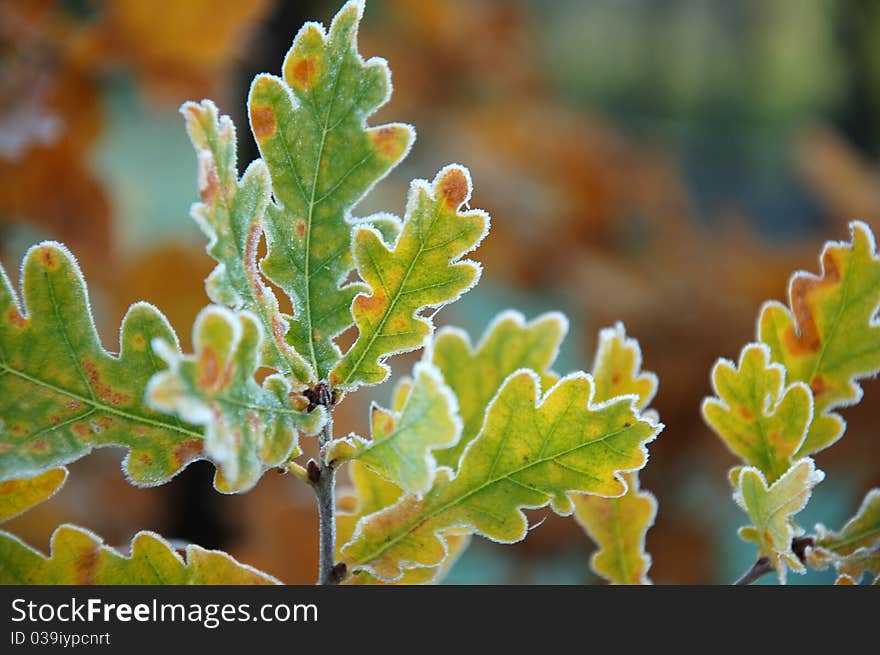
<point x="50" y="259"/>
<point x="300" y="228"/>
<point x="211" y="189"/>
<point x="302" y="72"/>
<point x="263" y="122"/>
<point x="809" y="340"/>
<point x="139" y="342"/>
<point x="745" y="412"/>
<point x="373" y="305"/>
<point x="187" y="451"/>
<point x="387" y="141"/>
<point x="15" y="318"/>
<point x="817" y="384"/>
<point x="209" y="368"/>
<point x="454" y="188"/>
<point x="39" y="446"/>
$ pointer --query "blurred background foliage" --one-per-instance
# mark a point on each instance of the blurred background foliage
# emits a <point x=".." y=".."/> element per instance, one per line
<point x="664" y="164"/>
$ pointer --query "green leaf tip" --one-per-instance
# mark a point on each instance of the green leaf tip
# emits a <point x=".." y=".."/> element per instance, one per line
<point x="248" y="427"/>
<point x="311" y="129"/>
<point x="62" y="394"/>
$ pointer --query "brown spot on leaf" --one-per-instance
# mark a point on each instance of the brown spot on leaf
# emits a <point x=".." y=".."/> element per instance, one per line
<point x="139" y="342"/>
<point x="263" y="122"/>
<point x="81" y="430"/>
<point x="39" y="446"/>
<point x="300" y="228"/>
<point x="453" y="187"/>
<point x="15" y="318"/>
<point x="73" y="405"/>
<point x="50" y="259"/>
<point x="302" y="72"/>
<point x="615" y="378"/>
<point x="373" y="305"/>
<point x="817" y="384"/>
<point x="399" y="323"/>
<point x="745" y="412"/>
<point x="803" y="288"/>
<point x="187" y="451"/>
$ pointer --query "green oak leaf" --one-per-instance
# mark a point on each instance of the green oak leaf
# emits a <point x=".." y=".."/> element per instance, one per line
<point x="248" y="427"/>
<point x="772" y="507"/>
<point x="79" y="557"/>
<point x="19" y="495"/>
<point x="62" y="394"/>
<point x="532" y="451"/>
<point x="758" y="417"/>
<point x="311" y="130"/>
<point x="422" y="269"/>
<point x="371" y="493"/>
<point x="402" y="441"/>
<point x="830" y="338"/>
<point x="855" y="548"/>
<point x="231" y="215"/>
<point x="618" y="526"/>
<point x="475" y="374"/>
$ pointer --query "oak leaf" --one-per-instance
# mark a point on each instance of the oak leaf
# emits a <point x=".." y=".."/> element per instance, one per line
<point x="19" y="495"/>
<point x="62" y="394"/>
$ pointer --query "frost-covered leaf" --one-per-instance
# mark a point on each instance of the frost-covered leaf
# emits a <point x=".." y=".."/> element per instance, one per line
<point x="421" y="269"/>
<point x="772" y="508"/>
<point x="758" y="417"/>
<point x="230" y="214"/>
<point x="79" y="557"/>
<point x="248" y="427"/>
<point x="618" y="527"/>
<point x="18" y="496"/>
<point x="62" y="394"/>
<point x="402" y="444"/>
<point x="371" y="493"/>
<point x="476" y="373"/>
<point x="311" y="129"/>
<point x="855" y="548"/>
<point x="830" y="338"/>
<point x="532" y="451"/>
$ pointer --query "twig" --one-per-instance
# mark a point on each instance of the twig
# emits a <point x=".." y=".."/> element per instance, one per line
<point x="759" y="569"/>
<point x="323" y="480"/>
<point x="763" y="566"/>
